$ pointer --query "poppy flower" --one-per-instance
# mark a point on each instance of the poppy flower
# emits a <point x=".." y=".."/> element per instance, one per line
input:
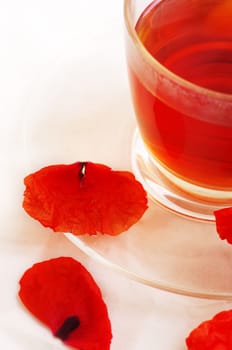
<point x="84" y="197"/>
<point x="62" y="294"/>
<point x="214" y="334"/>
<point x="224" y="223"/>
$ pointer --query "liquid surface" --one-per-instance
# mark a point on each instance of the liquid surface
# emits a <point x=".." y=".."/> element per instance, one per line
<point x="191" y="40"/>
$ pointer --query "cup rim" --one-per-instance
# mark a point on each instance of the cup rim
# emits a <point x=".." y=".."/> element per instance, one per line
<point x="162" y="69"/>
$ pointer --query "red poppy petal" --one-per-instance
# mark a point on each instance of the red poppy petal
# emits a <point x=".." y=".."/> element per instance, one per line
<point x="224" y="223"/>
<point x="62" y="294"/>
<point x="84" y="198"/>
<point x="214" y="334"/>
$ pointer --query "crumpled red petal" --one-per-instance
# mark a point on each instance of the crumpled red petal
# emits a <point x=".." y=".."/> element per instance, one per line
<point x="214" y="334"/>
<point x="84" y="197"/>
<point x="224" y="223"/>
<point x="62" y="294"/>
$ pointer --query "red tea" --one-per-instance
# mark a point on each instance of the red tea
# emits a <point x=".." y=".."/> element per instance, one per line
<point x="193" y="41"/>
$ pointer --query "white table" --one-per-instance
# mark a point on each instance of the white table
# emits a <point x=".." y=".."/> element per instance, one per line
<point x="63" y="97"/>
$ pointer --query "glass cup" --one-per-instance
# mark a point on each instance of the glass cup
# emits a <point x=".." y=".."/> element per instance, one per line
<point x="179" y="55"/>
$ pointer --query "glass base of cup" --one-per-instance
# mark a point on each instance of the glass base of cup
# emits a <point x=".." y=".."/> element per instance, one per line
<point x="172" y="193"/>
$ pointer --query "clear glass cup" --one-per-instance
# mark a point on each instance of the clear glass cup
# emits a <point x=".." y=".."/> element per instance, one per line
<point x="179" y="55"/>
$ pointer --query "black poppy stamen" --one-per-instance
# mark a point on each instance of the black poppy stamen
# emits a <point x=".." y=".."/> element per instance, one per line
<point x="82" y="170"/>
<point x="69" y="325"/>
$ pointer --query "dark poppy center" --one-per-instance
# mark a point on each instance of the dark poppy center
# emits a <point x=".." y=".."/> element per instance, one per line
<point x="69" y="325"/>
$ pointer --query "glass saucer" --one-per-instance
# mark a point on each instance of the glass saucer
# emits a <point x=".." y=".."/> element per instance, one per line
<point x="167" y="252"/>
<point x="163" y="250"/>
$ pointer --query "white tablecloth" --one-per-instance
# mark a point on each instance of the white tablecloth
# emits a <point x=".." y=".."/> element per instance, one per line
<point x="64" y="97"/>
